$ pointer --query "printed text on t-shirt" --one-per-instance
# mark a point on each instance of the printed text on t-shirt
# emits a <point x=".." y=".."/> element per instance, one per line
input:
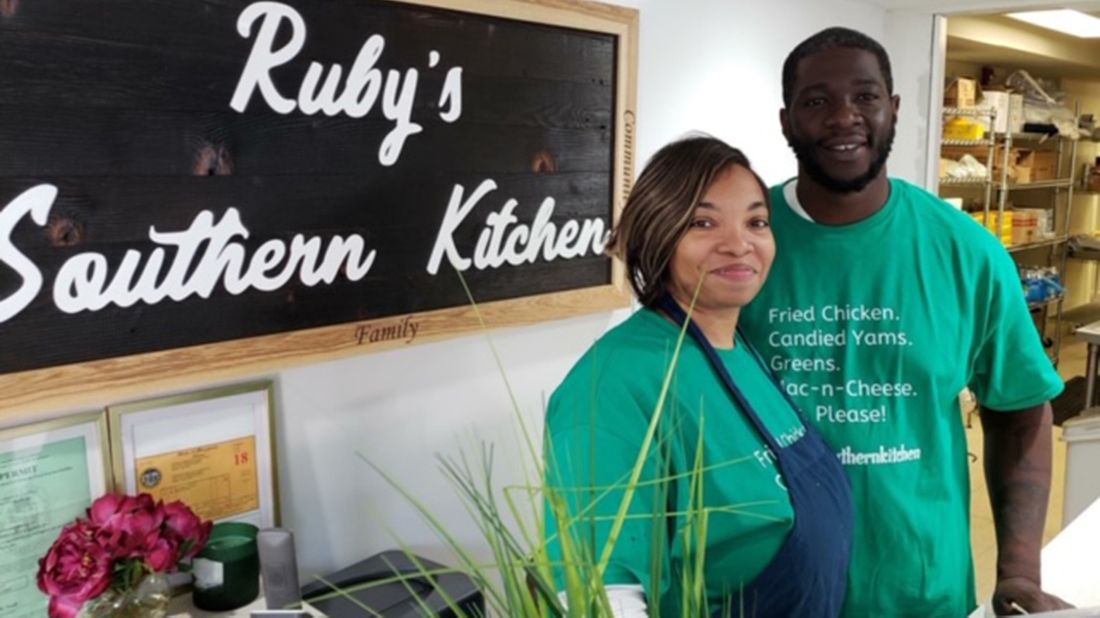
<point x="800" y="341"/>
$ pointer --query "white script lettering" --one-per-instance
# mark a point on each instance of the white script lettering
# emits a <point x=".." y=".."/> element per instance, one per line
<point x="504" y="240"/>
<point x="37" y="201"/>
<point x="320" y="92"/>
<point x="207" y="254"/>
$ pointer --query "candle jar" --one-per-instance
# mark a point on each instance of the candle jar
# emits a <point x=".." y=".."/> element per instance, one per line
<point x="227" y="570"/>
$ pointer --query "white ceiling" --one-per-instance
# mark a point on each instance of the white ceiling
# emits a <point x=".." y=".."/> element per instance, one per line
<point x="1070" y="56"/>
<point x="999" y="41"/>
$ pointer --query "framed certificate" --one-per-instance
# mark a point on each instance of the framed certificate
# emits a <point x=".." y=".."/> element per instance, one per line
<point x="50" y="472"/>
<point x="212" y="449"/>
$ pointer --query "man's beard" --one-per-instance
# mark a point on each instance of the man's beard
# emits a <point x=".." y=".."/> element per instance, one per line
<point x="806" y="153"/>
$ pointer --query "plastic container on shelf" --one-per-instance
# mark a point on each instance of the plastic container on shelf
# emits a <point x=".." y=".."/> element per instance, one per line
<point x="1041" y="283"/>
<point x="1025" y="226"/>
<point x="1045" y="223"/>
<point x="1006" y="224"/>
<point x="963" y="129"/>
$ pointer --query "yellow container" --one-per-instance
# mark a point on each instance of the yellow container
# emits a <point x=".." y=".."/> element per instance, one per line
<point x="1006" y="225"/>
<point x="963" y="128"/>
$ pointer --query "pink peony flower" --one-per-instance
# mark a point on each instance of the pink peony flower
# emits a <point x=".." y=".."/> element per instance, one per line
<point x="104" y="508"/>
<point x="163" y="554"/>
<point x="129" y="525"/>
<point x="120" y="532"/>
<point x="109" y="509"/>
<point x="75" y="569"/>
<point x="181" y="522"/>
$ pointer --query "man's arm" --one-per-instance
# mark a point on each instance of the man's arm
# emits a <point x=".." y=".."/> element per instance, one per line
<point x="1017" y="471"/>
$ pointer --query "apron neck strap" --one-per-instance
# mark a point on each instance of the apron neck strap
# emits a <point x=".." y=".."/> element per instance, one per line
<point x="674" y="311"/>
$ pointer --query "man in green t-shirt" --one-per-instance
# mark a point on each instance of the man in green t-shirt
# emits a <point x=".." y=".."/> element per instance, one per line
<point x="883" y="304"/>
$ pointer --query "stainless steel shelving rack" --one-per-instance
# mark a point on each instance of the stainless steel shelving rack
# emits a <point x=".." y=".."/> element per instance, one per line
<point x="995" y="192"/>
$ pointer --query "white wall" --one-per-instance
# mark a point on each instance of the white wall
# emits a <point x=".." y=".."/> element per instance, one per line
<point x="909" y="42"/>
<point x="1087" y="94"/>
<point x="715" y="65"/>
<point x="710" y="65"/>
<point x="399" y="409"/>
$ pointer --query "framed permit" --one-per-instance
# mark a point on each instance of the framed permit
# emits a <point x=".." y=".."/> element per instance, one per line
<point x="50" y="472"/>
<point x="212" y="449"/>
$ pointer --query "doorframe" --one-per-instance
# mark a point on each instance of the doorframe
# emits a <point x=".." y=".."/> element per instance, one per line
<point x="935" y="102"/>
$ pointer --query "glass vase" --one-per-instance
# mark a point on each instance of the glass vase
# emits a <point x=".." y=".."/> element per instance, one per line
<point x="149" y="599"/>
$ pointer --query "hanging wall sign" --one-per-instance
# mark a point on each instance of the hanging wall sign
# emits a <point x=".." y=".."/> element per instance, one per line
<point x="221" y="186"/>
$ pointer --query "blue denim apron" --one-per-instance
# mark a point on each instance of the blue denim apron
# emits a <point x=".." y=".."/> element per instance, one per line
<point x="809" y="574"/>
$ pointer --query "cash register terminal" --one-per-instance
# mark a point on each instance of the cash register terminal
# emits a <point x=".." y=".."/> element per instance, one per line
<point x="398" y="599"/>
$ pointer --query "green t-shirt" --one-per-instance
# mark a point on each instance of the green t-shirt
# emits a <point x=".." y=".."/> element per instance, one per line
<point x="596" y="425"/>
<point x="875" y="328"/>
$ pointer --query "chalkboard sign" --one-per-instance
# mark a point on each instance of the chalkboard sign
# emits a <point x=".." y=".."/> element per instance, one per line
<point x="217" y="187"/>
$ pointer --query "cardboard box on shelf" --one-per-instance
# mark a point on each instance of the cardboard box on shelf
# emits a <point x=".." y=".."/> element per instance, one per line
<point x="1009" y="107"/>
<point x="998" y="101"/>
<point x="1025" y="226"/>
<point x="1013" y="163"/>
<point x="1044" y="165"/>
<point x="955" y="153"/>
<point x="1021" y="166"/>
<point x="981" y="153"/>
<point x="961" y="92"/>
<point x="1040" y="164"/>
<point x="1024" y="164"/>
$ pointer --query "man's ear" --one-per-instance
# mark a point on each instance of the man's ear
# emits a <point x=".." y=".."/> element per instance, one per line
<point x="784" y="123"/>
<point x="896" y="100"/>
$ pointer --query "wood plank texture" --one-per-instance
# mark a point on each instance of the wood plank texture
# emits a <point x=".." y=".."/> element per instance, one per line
<point x="124" y="107"/>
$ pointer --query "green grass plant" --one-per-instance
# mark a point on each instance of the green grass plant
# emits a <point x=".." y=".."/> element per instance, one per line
<point x="519" y="581"/>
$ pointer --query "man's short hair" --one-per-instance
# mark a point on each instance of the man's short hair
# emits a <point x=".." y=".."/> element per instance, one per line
<point x="832" y="38"/>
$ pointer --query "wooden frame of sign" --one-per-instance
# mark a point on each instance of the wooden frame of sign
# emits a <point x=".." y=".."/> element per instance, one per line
<point x="201" y="195"/>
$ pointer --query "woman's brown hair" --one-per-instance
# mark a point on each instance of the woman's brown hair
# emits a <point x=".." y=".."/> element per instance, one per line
<point x="660" y="206"/>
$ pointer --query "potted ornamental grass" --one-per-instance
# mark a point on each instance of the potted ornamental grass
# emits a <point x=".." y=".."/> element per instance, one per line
<point x="519" y="579"/>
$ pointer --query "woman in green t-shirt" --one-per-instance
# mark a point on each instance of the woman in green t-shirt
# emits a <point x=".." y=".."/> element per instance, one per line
<point x="719" y="497"/>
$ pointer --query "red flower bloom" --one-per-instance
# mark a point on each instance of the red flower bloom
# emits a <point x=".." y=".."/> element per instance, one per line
<point x="104" y="508"/>
<point x="182" y="523"/>
<point x="75" y="569"/>
<point x="119" y="532"/>
<point x="162" y="554"/>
